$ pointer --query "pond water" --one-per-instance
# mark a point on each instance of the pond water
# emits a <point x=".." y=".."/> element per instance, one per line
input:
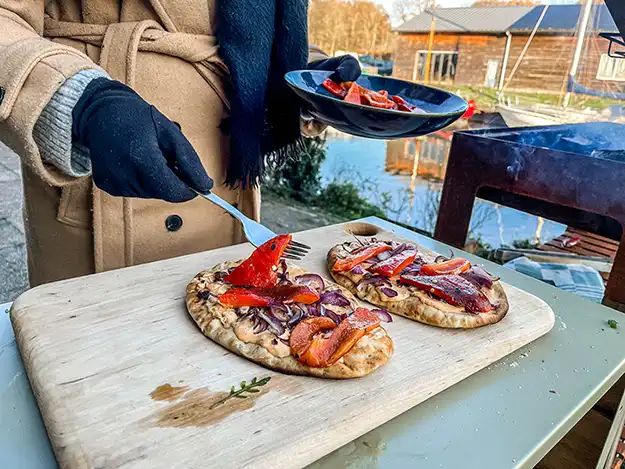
<point x="404" y="177"/>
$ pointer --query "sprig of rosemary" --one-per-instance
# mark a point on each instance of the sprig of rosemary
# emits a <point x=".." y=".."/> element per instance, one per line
<point x="240" y="393"/>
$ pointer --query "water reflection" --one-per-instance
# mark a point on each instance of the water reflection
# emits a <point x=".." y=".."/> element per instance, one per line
<point x="405" y="177"/>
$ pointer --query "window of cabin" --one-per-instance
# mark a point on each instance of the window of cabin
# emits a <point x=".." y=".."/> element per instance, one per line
<point x="611" y="68"/>
<point x="442" y="66"/>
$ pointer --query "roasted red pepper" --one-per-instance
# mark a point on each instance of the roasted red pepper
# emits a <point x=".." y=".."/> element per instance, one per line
<point x="359" y="255"/>
<point x="243" y="297"/>
<point x="261" y="268"/>
<point x="394" y="264"/>
<point x="334" y="88"/>
<point x="284" y="294"/>
<point x="454" y="289"/>
<point x="402" y="104"/>
<point x="452" y="266"/>
<point x="373" y="99"/>
<point x="353" y="95"/>
<point x="319" y="352"/>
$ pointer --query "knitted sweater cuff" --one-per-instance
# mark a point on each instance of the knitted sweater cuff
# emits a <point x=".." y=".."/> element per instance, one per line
<point x="53" y="130"/>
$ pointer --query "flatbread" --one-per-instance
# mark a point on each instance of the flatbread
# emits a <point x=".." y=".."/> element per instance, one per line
<point x="416" y="304"/>
<point x="224" y="326"/>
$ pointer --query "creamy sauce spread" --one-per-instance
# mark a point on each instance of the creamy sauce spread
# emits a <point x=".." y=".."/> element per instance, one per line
<point x="244" y="330"/>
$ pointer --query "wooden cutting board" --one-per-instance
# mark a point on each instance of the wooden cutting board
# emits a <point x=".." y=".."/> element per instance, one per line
<point x="125" y="379"/>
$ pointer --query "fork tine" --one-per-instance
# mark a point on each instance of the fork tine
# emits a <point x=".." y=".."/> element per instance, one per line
<point x="299" y="245"/>
<point x="296" y="251"/>
<point x="291" y="256"/>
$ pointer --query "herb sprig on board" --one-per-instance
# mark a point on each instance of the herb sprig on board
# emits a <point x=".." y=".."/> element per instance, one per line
<point x="240" y="393"/>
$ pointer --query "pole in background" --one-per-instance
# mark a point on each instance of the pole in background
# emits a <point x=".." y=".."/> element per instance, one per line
<point x="581" y="35"/>
<point x="428" y="61"/>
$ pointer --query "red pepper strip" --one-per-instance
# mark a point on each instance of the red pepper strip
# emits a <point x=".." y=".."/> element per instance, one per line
<point x="452" y="266"/>
<point x="395" y="264"/>
<point x="260" y="269"/>
<point x="243" y="297"/>
<point x="291" y="293"/>
<point x="353" y="95"/>
<point x="320" y="352"/>
<point x="383" y="93"/>
<point x="368" y="100"/>
<point x="402" y="104"/>
<point x="283" y="294"/>
<point x="334" y="88"/>
<point x="453" y="289"/>
<point x="359" y="255"/>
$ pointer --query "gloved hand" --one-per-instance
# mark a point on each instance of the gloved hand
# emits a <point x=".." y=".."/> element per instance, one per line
<point x="135" y="150"/>
<point x="345" y="68"/>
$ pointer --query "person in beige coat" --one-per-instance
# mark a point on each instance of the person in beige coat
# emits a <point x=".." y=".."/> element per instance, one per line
<point x="138" y="97"/>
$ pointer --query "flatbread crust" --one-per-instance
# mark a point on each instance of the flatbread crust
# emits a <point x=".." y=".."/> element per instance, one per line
<point x="420" y="306"/>
<point x="218" y="323"/>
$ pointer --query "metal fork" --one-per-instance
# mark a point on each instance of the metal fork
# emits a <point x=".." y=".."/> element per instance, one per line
<point x="256" y="233"/>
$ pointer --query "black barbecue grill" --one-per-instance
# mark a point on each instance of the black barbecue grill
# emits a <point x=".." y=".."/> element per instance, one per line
<point x="573" y="174"/>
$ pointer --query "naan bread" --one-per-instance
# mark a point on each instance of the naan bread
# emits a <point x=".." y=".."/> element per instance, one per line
<point x="416" y="304"/>
<point x="224" y="326"/>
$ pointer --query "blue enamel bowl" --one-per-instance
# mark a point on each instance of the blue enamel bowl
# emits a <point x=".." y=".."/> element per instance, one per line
<point x="441" y="107"/>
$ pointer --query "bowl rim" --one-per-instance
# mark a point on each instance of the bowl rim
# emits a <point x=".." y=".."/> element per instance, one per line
<point x="289" y="82"/>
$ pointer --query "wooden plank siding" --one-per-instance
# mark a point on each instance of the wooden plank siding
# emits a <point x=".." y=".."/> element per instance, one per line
<point x="544" y="68"/>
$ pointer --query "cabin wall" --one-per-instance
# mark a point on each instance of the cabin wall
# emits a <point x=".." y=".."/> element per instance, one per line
<point x="544" y="68"/>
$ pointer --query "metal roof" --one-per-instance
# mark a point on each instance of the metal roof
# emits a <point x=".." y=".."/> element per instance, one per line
<point x="559" y="18"/>
<point x="471" y="19"/>
<point x="565" y="18"/>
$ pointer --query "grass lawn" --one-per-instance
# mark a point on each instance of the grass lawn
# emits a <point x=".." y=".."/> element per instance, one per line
<point x="487" y="97"/>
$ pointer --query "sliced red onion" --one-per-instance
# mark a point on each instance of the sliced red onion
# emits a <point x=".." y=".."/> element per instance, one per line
<point x="441" y="258"/>
<point x="279" y="312"/>
<point x="273" y="323"/>
<point x="332" y="315"/>
<point x="384" y="315"/>
<point x="204" y="294"/>
<point x="334" y="297"/>
<point x="388" y="292"/>
<point x="373" y="280"/>
<point x="412" y="269"/>
<point x="283" y="275"/>
<point x="383" y="255"/>
<point x="399" y="248"/>
<point x="259" y="325"/>
<point x="479" y="277"/>
<point x="311" y="280"/>
<point x="314" y="311"/>
<point x="221" y="274"/>
<point x="357" y="270"/>
<point x="297" y="317"/>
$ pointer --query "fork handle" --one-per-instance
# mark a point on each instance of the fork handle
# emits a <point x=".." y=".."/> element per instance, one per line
<point x="234" y="212"/>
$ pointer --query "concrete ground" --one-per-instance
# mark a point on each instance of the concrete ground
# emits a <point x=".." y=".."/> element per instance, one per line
<point x="13" y="272"/>
<point x="277" y="215"/>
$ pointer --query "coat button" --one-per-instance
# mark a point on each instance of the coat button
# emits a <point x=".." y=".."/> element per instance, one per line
<point x="173" y="223"/>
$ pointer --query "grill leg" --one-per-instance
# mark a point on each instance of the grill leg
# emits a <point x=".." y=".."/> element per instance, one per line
<point x="615" y="290"/>
<point x="459" y="189"/>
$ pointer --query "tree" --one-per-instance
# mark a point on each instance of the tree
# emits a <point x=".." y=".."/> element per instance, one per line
<point x="355" y="25"/>
<point x="403" y="10"/>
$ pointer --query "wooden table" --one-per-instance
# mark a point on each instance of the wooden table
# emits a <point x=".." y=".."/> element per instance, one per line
<point x="522" y="405"/>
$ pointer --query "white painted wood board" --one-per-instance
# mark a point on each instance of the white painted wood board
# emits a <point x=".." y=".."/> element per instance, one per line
<point x="96" y="347"/>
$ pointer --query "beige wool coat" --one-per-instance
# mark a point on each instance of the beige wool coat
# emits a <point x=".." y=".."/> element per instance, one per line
<point x="166" y="51"/>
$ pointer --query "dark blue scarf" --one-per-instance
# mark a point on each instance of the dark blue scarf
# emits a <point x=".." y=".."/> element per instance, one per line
<point x="261" y="40"/>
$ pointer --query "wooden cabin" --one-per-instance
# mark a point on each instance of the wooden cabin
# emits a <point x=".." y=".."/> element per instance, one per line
<point x="479" y="46"/>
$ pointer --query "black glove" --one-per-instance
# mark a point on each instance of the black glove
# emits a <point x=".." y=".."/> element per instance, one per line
<point x="345" y="68"/>
<point x="135" y="150"/>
